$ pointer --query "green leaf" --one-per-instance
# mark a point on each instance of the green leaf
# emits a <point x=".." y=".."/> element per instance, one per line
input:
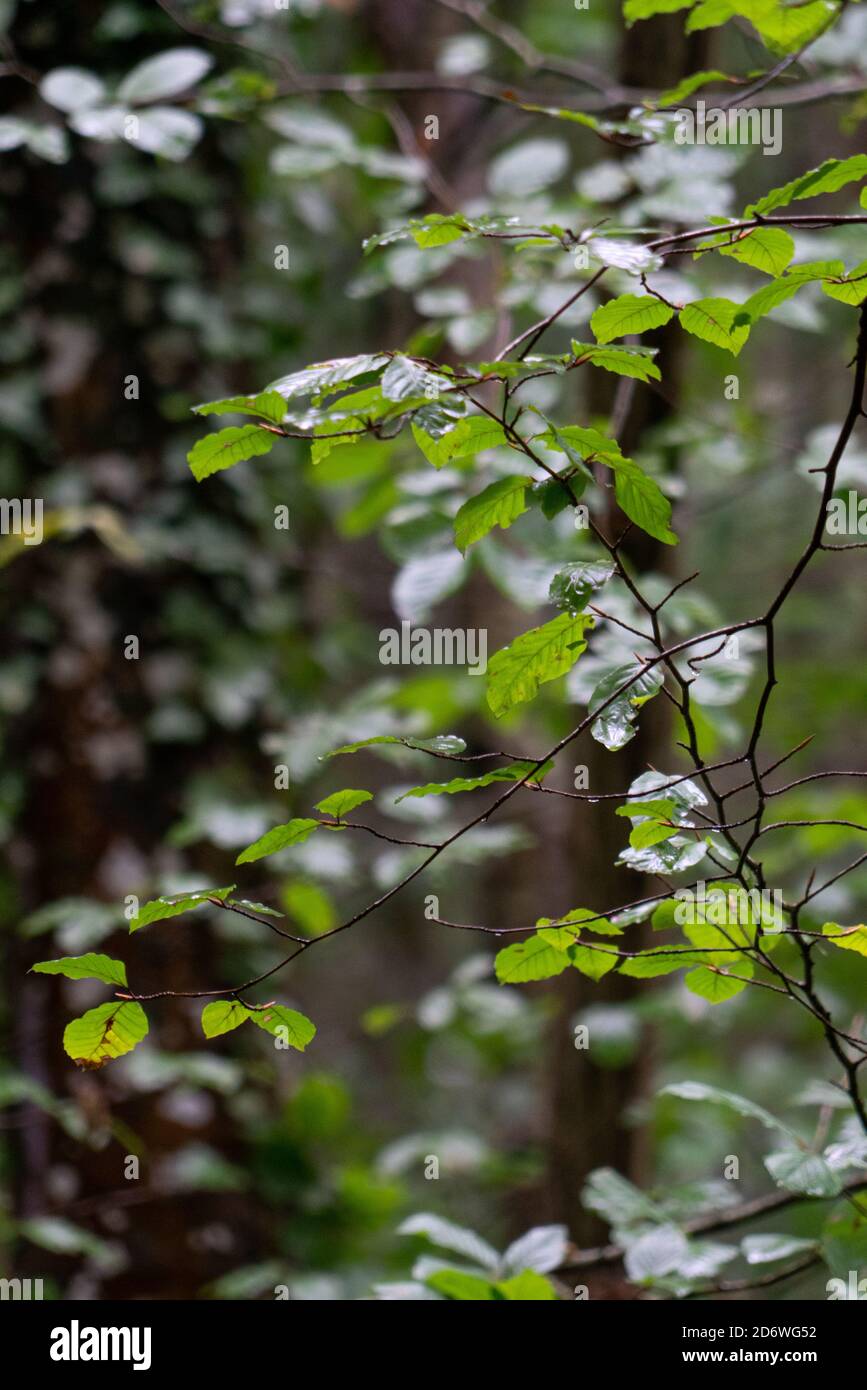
<point x="730" y="914"/>
<point x="578" y="442"/>
<point x="697" y="1090"/>
<point x="353" y="412"/>
<point x="528" y="1287"/>
<point x="716" y="987"/>
<point x="669" y="857"/>
<point x="339" y="804"/>
<point x="713" y="320"/>
<point x="404" y="378"/>
<point x="162" y="908"/>
<point x="663" y="809"/>
<point x="643" y="500"/>
<point x="87" y="967"/>
<point x="459" y="1285"/>
<point x="660" y="960"/>
<point x="635" y="362"/>
<point x="286" y="1024"/>
<point x="708" y="14"/>
<point x="565" y="113"/>
<point x="104" y="1033"/>
<point x="573" y="586"/>
<point x="674" y="96"/>
<point x="224" y="448"/>
<point x="553" y="498"/>
<point x="615" y="726"/>
<point x="469" y="435"/>
<point x="470" y="784"/>
<point x="639" y="495"/>
<point x="844" y="1244"/>
<point x="255" y="907"/>
<point x="533" y="959"/>
<point x="499" y="504"/>
<point x="294" y="832"/>
<point x="533" y="658"/>
<point x="645" y="9"/>
<point x="850" y="288"/>
<point x="798" y="1171"/>
<point x="584" y="917"/>
<point x="323" y="375"/>
<point x="783" y="26"/>
<point x="847" y="938"/>
<point x="437" y="229"/>
<point x="770" y="296"/>
<point x="269" y="404"/>
<point x="827" y="178"/>
<point x="593" y="962"/>
<point x="769" y="249"/>
<point x="441" y="743"/>
<point x="629" y="313"/>
<point x="561" y="938"/>
<point x="650" y="832"/>
<point x="509" y="367"/>
<point x="222" y="1016"/>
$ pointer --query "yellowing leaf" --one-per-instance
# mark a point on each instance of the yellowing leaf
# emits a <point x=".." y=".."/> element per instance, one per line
<point x="287" y="1025"/>
<point x="104" y="1033"/>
